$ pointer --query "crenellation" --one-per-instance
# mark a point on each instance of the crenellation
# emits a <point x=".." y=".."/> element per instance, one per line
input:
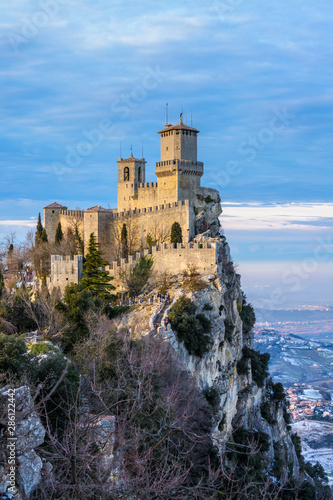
<point x="147" y="208"/>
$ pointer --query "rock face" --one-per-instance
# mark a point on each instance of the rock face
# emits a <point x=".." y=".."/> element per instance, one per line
<point x="240" y="399"/>
<point x="30" y="433"/>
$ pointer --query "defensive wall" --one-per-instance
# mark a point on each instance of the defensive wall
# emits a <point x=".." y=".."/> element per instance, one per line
<point x="172" y="259"/>
<point x="65" y="269"/>
<point x="155" y="220"/>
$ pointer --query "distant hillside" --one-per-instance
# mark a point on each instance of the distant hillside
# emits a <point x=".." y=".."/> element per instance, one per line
<point x="276" y="315"/>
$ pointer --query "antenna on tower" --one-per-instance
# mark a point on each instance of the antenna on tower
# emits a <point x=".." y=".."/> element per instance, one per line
<point x="166" y="114"/>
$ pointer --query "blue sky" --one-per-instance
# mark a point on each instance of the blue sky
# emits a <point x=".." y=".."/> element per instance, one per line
<point x="256" y="76"/>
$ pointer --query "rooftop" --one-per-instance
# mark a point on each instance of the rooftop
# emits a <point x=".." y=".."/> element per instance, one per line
<point x="178" y="126"/>
<point x="56" y="205"/>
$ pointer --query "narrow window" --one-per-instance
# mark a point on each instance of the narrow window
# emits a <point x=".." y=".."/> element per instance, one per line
<point x="139" y="174"/>
<point x="126" y="174"/>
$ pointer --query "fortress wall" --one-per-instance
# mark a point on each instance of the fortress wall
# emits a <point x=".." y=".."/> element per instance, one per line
<point x="69" y="219"/>
<point x="65" y="269"/>
<point x="172" y="259"/>
<point x="147" y="195"/>
<point x="167" y="186"/>
<point x="157" y="221"/>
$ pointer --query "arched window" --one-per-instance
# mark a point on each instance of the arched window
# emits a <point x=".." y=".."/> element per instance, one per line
<point x="139" y="174"/>
<point x="126" y="174"/>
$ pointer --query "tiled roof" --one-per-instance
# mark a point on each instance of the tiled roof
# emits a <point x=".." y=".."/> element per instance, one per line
<point x="178" y="126"/>
<point x="56" y="205"/>
<point x="98" y="208"/>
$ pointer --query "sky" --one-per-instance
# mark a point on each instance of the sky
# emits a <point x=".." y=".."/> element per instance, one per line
<point x="79" y="78"/>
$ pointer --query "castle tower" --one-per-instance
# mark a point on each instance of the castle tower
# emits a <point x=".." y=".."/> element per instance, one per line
<point x="179" y="171"/>
<point x="52" y="218"/>
<point x="131" y="175"/>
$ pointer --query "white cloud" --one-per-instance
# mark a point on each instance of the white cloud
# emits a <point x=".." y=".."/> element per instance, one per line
<point x="291" y="216"/>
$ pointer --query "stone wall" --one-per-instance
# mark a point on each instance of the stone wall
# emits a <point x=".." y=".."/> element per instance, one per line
<point x="65" y="269"/>
<point x="67" y="218"/>
<point x="170" y="258"/>
<point x="155" y="220"/>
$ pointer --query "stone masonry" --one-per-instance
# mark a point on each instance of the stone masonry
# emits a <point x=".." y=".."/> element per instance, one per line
<point x="144" y="207"/>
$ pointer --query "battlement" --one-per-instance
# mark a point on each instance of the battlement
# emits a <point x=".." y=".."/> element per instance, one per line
<point x="197" y="165"/>
<point x="171" y="258"/>
<point x="65" y="269"/>
<point x="177" y="205"/>
<point x="66" y="258"/>
<point x="145" y="185"/>
<point x="72" y="213"/>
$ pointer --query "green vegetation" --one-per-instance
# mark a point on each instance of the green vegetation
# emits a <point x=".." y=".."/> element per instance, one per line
<point x="213" y="397"/>
<point x="124" y="242"/>
<point x="95" y="279"/>
<point x="43" y="237"/>
<point x="229" y="330"/>
<point x="265" y="410"/>
<point x="39" y="230"/>
<point x="150" y="241"/>
<point x="42" y="348"/>
<point x="139" y="275"/>
<point x="275" y="391"/>
<point x="190" y="328"/>
<point x="259" y="365"/>
<point x="247" y="315"/>
<point x="12" y="351"/>
<point x="208" y="199"/>
<point x="76" y="302"/>
<point x="59" y="234"/>
<point x="176" y="233"/>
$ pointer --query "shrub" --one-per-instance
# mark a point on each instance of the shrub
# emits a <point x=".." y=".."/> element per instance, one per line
<point x="278" y="392"/>
<point x="176" y="233"/>
<point x="259" y="365"/>
<point x="213" y="397"/>
<point x="12" y="354"/>
<point x="247" y="316"/>
<point x="138" y="276"/>
<point x="208" y="199"/>
<point x="229" y="330"/>
<point x="266" y="412"/>
<point x="42" y="348"/>
<point x="191" y="329"/>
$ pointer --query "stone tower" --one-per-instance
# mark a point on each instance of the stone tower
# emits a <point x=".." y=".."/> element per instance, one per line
<point x="131" y="175"/>
<point x="179" y="171"/>
<point x="52" y="218"/>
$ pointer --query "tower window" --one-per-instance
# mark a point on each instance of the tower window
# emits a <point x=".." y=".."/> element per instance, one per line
<point x="167" y="148"/>
<point x="126" y="174"/>
<point x="139" y="174"/>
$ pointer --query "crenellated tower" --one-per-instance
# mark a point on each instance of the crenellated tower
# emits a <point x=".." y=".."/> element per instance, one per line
<point x="179" y="171"/>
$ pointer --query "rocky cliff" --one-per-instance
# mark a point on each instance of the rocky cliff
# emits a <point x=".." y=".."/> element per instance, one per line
<point x="238" y="401"/>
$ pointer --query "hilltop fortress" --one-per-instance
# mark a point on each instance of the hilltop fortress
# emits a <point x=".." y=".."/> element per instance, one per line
<point x="147" y="209"/>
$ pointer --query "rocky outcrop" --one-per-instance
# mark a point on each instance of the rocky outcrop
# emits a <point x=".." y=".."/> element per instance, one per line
<point x="29" y="433"/>
<point x="240" y="398"/>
